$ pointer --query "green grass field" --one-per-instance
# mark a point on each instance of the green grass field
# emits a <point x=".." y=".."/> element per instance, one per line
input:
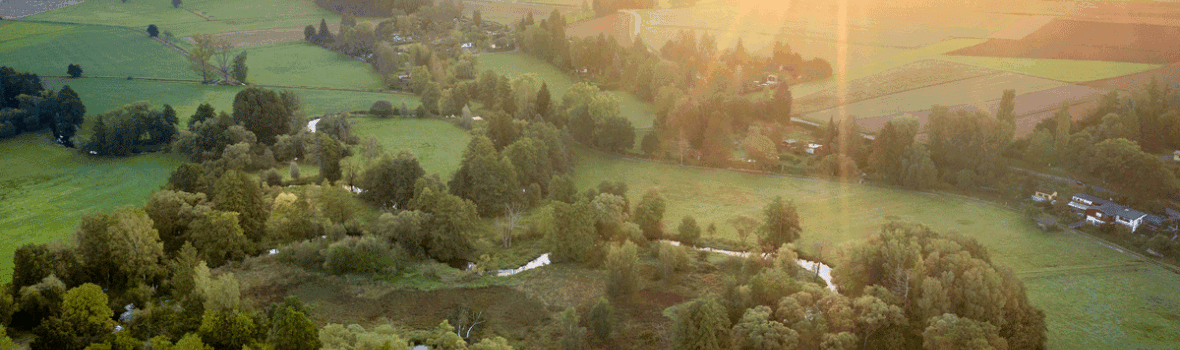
<point x="205" y="16"/>
<point x="512" y="64"/>
<point x="303" y="64"/>
<point x="437" y="144"/>
<point x="1091" y="300"/>
<point x="101" y="51"/>
<point x="1063" y="70"/>
<point x="45" y="189"/>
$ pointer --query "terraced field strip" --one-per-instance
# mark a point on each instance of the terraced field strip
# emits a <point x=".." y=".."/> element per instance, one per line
<point x="975" y="91"/>
<point x="48" y="49"/>
<point x="912" y="76"/>
<point x="1062" y="70"/>
<point x="1109" y="307"/>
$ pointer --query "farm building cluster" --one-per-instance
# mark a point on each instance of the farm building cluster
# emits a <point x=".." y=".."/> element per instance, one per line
<point x="1098" y="212"/>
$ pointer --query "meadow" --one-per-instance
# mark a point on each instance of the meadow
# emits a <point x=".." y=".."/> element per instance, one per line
<point x="512" y="64"/>
<point x="48" y="49"/>
<point x="1072" y="278"/>
<point x="47" y="188"/>
<point x="300" y="64"/>
<point x="438" y="144"/>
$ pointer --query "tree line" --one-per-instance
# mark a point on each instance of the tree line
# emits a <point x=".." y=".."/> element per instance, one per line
<point x="25" y="106"/>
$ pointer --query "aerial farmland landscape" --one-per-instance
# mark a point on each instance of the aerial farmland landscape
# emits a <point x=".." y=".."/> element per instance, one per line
<point x="589" y="174"/>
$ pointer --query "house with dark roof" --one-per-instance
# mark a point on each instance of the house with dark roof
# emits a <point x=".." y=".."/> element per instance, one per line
<point x="1099" y="211"/>
<point x="1081" y="201"/>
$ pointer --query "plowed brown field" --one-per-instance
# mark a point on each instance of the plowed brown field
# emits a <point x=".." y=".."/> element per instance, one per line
<point x="1090" y="41"/>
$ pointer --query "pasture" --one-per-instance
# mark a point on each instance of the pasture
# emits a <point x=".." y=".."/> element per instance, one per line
<point x="300" y="64"/>
<point x="204" y="16"/>
<point x="512" y="64"/>
<point x="47" y="188"/>
<point x="437" y="144"/>
<point x="1086" y="289"/>
<point x="47" y="50"/>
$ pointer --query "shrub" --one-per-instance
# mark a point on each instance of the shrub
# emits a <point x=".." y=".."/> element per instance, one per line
<point x="622" y="265"/>
<point x="361" y="255"/>
<point x="673" y="259"/>
<point x="153" y="31"/>
<point x="176" y="3"/>
<point x="273" y="178"/>
<point x="306" y="254"/>
<point x="690" y="232"/>
<point x="382" y="109"/>
<point x="74" y="70"/>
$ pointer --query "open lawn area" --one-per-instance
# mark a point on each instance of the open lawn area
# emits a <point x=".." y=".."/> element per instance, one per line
<point x="1085" y="309"/>
<point x="512" y="64"/>
<point x="304" y="64"/>
<point x="45" y="189"/>
<point x="437" y="144"/>
<point x="205" y="16"/>
<point x="48" y="49"/>
<point x="1062" y="70"/>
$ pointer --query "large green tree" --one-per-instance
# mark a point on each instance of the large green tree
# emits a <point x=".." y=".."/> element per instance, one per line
<point x="485" y="177"/>
<point x="951" y="332"/>
<point x="390" y="181"/>
<point x="649" y="214"/>
<point x="262" y="112"/>
<point x="573" y="237"/>
<point x="700" y="324"/>
<point x="757" y="330"/>
<point x="781" y="225"/>
<point x="238" y="192"/>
